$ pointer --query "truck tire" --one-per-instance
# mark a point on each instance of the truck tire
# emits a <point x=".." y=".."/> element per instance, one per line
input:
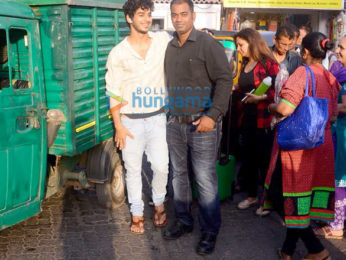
<point x="110" y="194"/>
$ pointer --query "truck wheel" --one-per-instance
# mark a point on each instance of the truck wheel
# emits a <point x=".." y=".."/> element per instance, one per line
<point x="111" y="194"/>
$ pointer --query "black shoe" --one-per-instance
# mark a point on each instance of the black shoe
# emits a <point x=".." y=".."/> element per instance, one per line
<point x="206" y="245"/>
<point x="176" y="231"/>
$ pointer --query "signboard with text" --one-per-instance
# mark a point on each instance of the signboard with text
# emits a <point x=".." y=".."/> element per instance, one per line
<point x="295" y="4"/>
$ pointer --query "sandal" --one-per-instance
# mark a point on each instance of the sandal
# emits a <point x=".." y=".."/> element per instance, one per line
<point x="262" y="212"/>
<point x="324" y="255"/>
<point x="284" y="256"/>
<point x="327" y="233"/>
<point x="138" y="224"/>
<point x="158" y="216"/>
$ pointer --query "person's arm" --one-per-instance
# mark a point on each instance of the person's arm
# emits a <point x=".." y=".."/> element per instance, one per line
<point x="272" y="70"/>
<point x="336" y="90"/>
<point x="291" y="93"/>
<point x="254" y="99"/>
<point x="342" y="105"/>
<point x="113" y="86"/>
<point x="219" y="73"/>
<point x="282" y="109"/>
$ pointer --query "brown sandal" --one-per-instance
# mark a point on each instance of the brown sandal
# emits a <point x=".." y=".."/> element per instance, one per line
<point x="138" y="224"/>
<point x="158" y="216"/>
<point x="327" y="233"/>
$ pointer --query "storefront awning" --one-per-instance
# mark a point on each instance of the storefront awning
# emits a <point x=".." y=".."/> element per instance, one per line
<point x="291" y="4"/>
<point x="194" y="1"/>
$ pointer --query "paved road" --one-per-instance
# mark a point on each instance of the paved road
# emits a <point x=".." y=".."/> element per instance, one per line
<point x="73" y="226"/>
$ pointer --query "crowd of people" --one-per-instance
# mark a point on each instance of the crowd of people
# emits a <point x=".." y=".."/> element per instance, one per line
<point x="190" y="75"/>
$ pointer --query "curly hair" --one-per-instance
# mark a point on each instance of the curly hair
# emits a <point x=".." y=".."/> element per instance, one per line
<point x="131" y="6"/>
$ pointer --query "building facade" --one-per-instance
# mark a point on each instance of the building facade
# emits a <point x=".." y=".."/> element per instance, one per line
<point x="208" y="14"/>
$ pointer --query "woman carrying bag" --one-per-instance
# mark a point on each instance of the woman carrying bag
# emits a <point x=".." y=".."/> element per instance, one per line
<point x="300" y="182"/>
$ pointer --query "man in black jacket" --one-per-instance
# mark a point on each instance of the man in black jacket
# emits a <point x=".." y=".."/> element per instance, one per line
<point x="199" y="84"/>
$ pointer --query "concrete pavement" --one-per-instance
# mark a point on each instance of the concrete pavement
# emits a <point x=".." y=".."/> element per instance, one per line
<point x="73" y="226"/>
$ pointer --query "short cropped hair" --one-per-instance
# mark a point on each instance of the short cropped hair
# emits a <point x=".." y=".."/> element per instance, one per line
<point x="294" y="29"/>
<point x="306" y="28"/>
<point x="189" y="2"/>
<point x="284" y="31"/>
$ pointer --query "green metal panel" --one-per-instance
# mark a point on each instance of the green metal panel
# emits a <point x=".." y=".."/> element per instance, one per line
<point x="83" y="76"/>
<point x="21" y="213"/>
<point x="9" y="8"/>
<point x="123" y="29"/>
<point x="55" y="38"/>
<point x="93" y="31"/>
<point x="90" y="3"/>
<point x="23" y="145"/>
<point x="80" y="39"/>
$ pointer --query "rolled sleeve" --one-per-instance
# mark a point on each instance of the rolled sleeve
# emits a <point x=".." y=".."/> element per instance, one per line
<point x="113" y="78"/>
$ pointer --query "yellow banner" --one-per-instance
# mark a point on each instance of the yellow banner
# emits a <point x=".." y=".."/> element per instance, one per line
<point x="304" y="4"/>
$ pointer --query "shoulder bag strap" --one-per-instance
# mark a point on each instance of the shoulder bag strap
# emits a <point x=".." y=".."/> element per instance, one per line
<point x="309" y="70"/>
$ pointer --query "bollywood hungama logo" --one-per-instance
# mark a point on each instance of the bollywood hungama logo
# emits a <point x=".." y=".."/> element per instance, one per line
<point x="172" y="98"/>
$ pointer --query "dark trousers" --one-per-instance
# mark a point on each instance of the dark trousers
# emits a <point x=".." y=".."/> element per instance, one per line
<point x="201" y="148"/>
<point x="255" y="145"/>
<point x="307" y="235"/>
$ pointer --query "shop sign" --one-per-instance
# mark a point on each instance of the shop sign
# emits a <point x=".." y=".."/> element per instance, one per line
<point x="294" y="4"/>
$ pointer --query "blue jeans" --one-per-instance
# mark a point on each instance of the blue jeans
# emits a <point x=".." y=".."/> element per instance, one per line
<point x="185" y="144"/>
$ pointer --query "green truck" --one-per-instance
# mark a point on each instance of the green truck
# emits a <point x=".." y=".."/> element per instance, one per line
<point x="56" y="129"/>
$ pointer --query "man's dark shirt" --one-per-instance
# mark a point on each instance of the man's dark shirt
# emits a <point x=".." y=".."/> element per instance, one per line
<point x="292" y="61"/>
<point x="196" y="73"/>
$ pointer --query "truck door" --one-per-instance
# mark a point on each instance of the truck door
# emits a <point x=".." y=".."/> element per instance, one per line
<point x="23" y="152"/>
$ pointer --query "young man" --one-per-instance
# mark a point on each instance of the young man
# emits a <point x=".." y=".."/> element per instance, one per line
<point x="135" y="84"/>
<point x="199" y="84"/>
<point x="283" y="42"/>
